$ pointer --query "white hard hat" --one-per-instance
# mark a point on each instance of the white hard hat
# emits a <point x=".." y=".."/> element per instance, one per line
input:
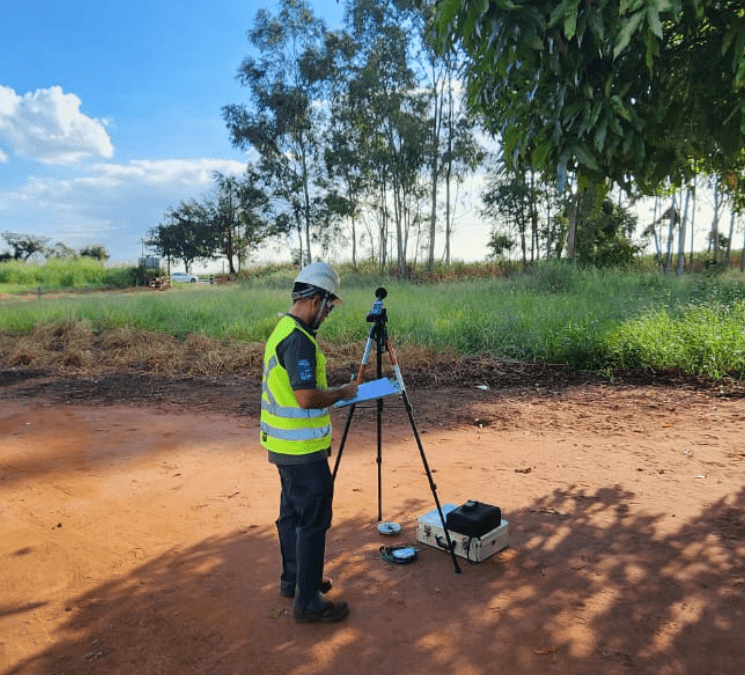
<point x="317" y="276"/>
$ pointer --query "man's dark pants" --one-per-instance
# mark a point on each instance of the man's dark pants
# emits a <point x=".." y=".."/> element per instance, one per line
<point x="304" y="517"/>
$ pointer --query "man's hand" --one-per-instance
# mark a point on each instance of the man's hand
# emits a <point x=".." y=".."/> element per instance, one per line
<point x="323" y="398"/>
<point x="348" y="391"/>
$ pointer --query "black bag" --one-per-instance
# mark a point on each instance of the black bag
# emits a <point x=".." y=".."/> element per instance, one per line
<point x="474" y="519"/>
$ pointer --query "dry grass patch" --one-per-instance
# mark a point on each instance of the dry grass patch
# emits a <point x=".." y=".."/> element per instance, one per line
<point x="75" y="347"/>
<point x="72" y="347"/>
<point x="413" y="359"/>
<point x="66" y="345"/>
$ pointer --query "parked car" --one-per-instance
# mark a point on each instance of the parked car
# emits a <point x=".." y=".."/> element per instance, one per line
<point x="184" y="278"/>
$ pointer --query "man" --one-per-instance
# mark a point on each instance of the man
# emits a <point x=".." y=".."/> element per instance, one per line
<point x="296" y="431"/>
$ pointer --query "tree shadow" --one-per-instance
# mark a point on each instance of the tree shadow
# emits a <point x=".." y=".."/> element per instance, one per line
<point x="586" y="586"/>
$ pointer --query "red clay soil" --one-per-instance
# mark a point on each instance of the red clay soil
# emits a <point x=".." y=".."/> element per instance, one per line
<point x="138" y="531"/>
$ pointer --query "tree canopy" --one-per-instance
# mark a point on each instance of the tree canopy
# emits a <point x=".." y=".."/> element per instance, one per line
<point x="25" y="245"/>
<point x="637" y="91"/>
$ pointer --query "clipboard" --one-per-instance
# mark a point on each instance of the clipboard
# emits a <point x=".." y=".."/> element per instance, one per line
<point x="368" y="391"/>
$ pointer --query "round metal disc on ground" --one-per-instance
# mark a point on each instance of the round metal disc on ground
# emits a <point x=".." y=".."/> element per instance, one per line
<point x="404" y="554"/>
<point x="389" y="528"/>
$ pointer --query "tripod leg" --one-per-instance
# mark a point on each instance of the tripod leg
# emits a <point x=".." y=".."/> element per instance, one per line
<point x="380" y="335"/>
<point x="360" y="377"/>
<point x="379" y="459"/>
<point x="343" y="442"/>
<point x="432" y="485"/>
<point x="366" y="355"/>
<point x="394" y="363"/>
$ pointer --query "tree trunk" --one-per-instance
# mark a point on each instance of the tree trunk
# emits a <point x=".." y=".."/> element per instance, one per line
<point x="670" y="234"/>
<point x="229" y="228"/>
<point x="448" y="225"/>
<point x="383" y="228"/>
<point x="693" y="222"/>
<point x="400" y="246"/>
<point x="432" y="224"/>
<point x="434" y="177"/>
<point x="524" y="247"/>
<point x="658" y="250"/>
<point x="573" y="220"/>
<point x="715" y="224"/>
<point x="354" y="243"/>
<point x="728" y="252"/>
<point x="682" y="235"/>
<point x="306" y="207"/>
<point x="301" y="252"/>
<point x="532" y="220"/>
<point x="449" y="172"/>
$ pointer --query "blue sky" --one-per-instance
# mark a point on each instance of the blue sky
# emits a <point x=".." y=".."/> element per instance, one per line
<point x="110" y="112"/>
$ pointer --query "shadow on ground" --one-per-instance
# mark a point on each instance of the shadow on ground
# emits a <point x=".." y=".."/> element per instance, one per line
<point x="585" y="587"/>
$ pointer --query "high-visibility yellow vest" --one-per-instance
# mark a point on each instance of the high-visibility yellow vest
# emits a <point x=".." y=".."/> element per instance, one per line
<point x="286" y="428"/>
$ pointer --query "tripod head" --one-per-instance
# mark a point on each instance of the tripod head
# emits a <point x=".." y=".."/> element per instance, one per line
<point x="378" y="313"/>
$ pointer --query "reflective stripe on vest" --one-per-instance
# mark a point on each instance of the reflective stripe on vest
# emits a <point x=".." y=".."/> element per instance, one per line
<point x="287" y="428"/>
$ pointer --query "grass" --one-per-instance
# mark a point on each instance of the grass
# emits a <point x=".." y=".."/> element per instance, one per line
<point x="79" y="273"/>
<point x="587" y="319"/>
<point x="704" y="340"/>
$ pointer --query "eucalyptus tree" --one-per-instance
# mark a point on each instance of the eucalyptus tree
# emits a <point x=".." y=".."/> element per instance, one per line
<point x="225" y="214"/>
<point x="453" y="151"/>
<point x="281" y="121"/>
<point x="463" y="155"/>
<point x="344" y="165"/>
<point x="682" y="228"/>
<point x="391" y="114"/>
<point x="256" y="220"/>
<point x="519" y="205"/>
<point x="713" y="238"/>
<point x="508" y="203"/>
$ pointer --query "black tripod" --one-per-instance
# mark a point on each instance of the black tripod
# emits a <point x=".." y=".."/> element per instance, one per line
<point x="379" y="336"/>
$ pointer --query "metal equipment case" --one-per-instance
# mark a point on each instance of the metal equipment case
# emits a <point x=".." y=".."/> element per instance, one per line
<point x="474" y="549"/>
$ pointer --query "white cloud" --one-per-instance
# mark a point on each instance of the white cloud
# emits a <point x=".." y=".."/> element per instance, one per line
<point x="48" y="126"/>
<point x="4" y="156"/>
<point x="190" y="172"/>
<point x="105" y="181"/>
<point x="111" y="204"/>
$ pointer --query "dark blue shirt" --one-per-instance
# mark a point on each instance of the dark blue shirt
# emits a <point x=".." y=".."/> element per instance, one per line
<point x="297" y="355"/>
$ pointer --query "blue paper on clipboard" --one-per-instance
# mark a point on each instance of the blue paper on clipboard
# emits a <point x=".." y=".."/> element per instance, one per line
<point x="368" y="391"/>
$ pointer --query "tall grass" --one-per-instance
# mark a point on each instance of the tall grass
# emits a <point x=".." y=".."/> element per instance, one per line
<point x="64" y="273"/>
<point x="703" y="340"/>
<point x="232" y="313"/>
<point x="560" y="314"/>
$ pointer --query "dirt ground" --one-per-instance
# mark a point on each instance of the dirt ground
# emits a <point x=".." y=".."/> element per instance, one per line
<point x="138" y="529"/>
